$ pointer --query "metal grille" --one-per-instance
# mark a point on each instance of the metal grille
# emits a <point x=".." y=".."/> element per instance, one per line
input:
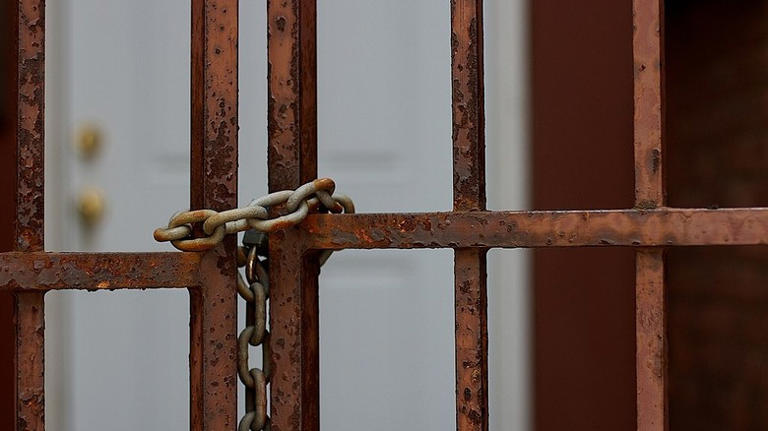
<point x="28" y="272"/>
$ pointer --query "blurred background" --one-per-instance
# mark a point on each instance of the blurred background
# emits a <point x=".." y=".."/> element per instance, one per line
<point x="559" y="136"/>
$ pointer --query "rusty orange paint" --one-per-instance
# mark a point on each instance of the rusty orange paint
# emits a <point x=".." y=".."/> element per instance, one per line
<point x="213" y="307"/>
<point x="526" y="229"/>
<point x="470" y="296"/>
<point x="40" y="271"/>
<point x="650" y="315"/>
<point x="324" y="184"/>
<point x="27" y="19"/>
<point x="292" y="161"/>
<point x="471" y="301"/>
<point x="651" y="319"/>
<point x="648" y="100"/>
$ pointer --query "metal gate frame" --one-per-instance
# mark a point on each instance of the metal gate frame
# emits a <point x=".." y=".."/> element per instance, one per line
<point x="29" y="273"/>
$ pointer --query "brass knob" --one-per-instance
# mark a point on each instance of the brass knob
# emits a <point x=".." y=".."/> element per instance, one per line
<point x="90" y="206"/>
<point x="89" y="141"/>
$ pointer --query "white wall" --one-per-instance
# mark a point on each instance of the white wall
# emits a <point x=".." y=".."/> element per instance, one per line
<point x="118" y="360"/>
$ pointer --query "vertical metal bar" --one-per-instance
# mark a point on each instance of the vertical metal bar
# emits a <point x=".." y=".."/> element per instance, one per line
<point x="30" y="367"/>
<point x="29" y="137"/>
<point x="293" y="161"/>
<point x="25" y="61"/>
<point x="292" y="153"/>
<point x="213" y="306"/>
<point x="294" y="340"/>
<point x="468" y="105"/>
<point x="650" y="321"/>
<point x="471" y="340"/>
<point x="650" y="315"/>
<point x="648" y="64"/>
<point x="469" y="195"/>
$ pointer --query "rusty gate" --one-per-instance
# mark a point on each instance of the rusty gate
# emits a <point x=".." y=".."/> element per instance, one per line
<point x="27" y="272"/>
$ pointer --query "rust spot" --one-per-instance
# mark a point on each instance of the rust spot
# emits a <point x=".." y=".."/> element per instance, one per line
<point x="324" y="184"/>
<point x="280" y="22"/>
<point x="655" y="160"/>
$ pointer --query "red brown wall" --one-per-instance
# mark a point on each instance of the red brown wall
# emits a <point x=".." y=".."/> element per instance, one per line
<point x="582" y="94"/>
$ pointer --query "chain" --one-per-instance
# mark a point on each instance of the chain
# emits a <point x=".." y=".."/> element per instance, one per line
<point x="254" y="218"/>
<point x="300" y="202"/>
<point x="255" y="292"/>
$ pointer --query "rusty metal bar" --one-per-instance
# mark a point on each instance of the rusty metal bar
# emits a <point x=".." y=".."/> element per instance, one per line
<point x="292" y="112"/>
<point x="30" y="351"/>
<point x="468" y="105"/>
<point x="471" y="339"/>
<point x="524" y="229"/>
<point x="29" y="137"/>
<point x="294" y="341"/>
<point x="25" y="140"/>
<point x="469" y="195"/>
<point x="292" y="160"/>
<point x="650" y="304"/>
<point x="650" y="318"/>
<point x="40" y="272"/>
<point x="213" y="307"/>
<point x="648" y="22"/>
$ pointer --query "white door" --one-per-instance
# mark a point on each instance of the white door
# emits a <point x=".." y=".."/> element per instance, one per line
<point x="118" y="360"/>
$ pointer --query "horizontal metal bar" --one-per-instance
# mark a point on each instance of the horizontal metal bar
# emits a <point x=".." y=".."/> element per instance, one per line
<point x="40" y="271"/>
<point x="522" y="229"/>
<point x="641" y="228"/>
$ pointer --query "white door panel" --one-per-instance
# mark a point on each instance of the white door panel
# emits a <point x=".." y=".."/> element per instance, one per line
<point x="384" y="102"/>
<point x="384" y="134"/>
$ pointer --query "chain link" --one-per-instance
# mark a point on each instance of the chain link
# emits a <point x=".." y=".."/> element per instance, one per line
<point x="300" y="202"/>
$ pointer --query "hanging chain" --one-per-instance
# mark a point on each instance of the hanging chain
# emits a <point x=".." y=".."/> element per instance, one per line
<point x="253" y="256"/>
<point x="256" y="293"/>
<point x="300" y="202"/>
<point x="255" y="219"/>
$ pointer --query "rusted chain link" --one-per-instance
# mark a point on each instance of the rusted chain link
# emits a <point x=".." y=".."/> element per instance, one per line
<point x="255" y="215"/>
